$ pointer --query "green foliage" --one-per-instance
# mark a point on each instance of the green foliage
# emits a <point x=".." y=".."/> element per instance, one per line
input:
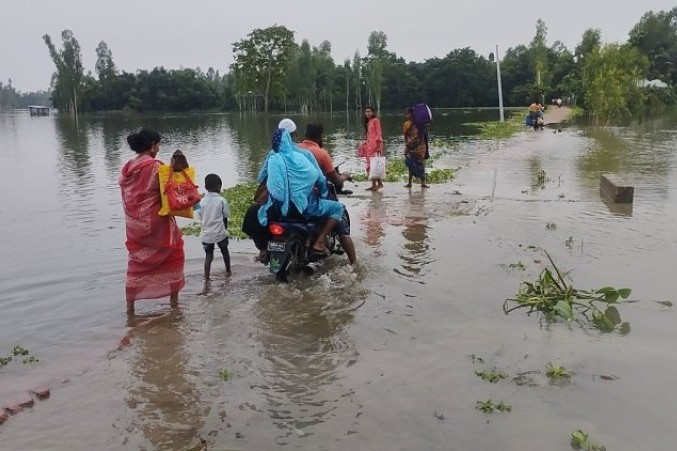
<point x="10" y="98"/>
<point x="489" y="406"/>
<point x="498" y="130"/>
<point x="610" y="75"/>
<point x="397" y="171"/>
<point x="261" y="60"/>
<point x="271" y="71"/>
<point x="556" y="372"/>
<point x="18" y="351"/>
<point x="580" y="440"/>
<point x="193" y="229"/>
<point x="551" y="295"/>
<point x="67" y="80"/>
<point x="655" y="36"/>
<point x="224" y="375"/>
<point x="491" y="376"/>
<point x="240" y="197"/>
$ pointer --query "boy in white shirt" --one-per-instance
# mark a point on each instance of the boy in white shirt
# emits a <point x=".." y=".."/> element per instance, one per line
<point x="213" y="214"/>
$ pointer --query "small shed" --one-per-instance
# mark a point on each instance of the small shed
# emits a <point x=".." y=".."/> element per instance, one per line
<point x="38" y="110"/>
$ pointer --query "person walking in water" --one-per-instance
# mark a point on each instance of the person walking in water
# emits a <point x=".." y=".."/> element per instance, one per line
<point x="213" y="214"/>
<point x="154" y="242"/>
<point x="415" y="148"/>
<point x="373" y="145"/>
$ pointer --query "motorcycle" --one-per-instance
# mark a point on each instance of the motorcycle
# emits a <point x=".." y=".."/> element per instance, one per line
<point x="290" y="241"/>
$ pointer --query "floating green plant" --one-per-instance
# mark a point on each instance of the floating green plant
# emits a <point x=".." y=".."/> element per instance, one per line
<point x="491" y="376"/>
<point x="557" y="300"/>
<point x="489" y="406"/>
<point x="224" y="375"/>
<point x="397" y="171"/>
<point x="240" y="197"/>
<point x="18" y="351"/>
<point x="556" y="372"/>
<point x="581" y="440"/>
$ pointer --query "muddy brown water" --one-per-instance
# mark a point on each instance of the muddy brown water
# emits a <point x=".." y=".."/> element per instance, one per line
<point x="372" y="357"/>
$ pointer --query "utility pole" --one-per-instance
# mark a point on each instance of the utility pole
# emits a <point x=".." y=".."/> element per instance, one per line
<point x="500" y="87"/>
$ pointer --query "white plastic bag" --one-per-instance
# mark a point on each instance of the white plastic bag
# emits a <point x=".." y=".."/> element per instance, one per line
<point x="377" y="167"/>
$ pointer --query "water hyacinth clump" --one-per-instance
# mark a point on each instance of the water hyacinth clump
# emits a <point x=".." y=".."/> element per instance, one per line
<point x="552" y="296"/>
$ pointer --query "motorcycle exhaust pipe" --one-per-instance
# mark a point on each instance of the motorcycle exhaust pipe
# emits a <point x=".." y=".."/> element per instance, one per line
<point x="310" y="269"/>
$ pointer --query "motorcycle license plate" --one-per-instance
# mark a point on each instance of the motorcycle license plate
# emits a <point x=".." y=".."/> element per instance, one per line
<point x="277" y="246"/>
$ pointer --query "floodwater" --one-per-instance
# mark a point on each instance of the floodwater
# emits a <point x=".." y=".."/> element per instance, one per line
<point x="367" y="358"/>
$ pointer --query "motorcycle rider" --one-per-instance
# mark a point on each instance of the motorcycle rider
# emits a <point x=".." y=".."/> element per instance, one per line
<point x="313" y="143"/>
<point x="291" y="179"/>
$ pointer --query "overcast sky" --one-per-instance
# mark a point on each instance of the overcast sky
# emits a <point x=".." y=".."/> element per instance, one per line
<point x="143" y="34"/>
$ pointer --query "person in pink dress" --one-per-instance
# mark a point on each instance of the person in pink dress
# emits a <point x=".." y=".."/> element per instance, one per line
<point x="154" y="242"/>
<point x="373" y="146"/>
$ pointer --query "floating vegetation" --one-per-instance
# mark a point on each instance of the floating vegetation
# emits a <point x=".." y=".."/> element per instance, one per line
<point x="224" y="375"/>
<point x="476" y="358"/>
<point x="665" y="303"/>
<point x="397" y="171"/>
<point x="580" y="440"/>
<point x="556" y="372"/>
<point x="193" y="229"/>
<point x="552" y="296"/>
<point x="240" y="197"/>
<point x="498" y="130"/>
<point x="440" y="175"/>
<point x="518" y="266"/>
<point x="541" y="178"/>
<point x="18" y="351"/>
<point x="491" y="376"/>
<point x="489" y="406"/>
<point x="30" y="359"/>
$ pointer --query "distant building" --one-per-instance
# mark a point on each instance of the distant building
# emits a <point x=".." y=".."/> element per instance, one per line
<point x="656" y="83"/>
<point x="38" y="110"/>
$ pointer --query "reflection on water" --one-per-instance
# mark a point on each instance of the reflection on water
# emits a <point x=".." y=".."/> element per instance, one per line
<point x="305" y="342"/>
<point x="162" y="394"/>
<point x="415" y="255"/>
<point x="74" y="146"/>
<point x="307" y="371"/>
<point x="373" y="220"/>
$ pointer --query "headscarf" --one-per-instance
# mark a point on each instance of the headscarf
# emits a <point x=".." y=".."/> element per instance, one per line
<point x="291" y="176"/>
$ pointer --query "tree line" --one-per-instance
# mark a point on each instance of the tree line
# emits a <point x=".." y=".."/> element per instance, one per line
<point x="271" y="71"/>
<point x="10" y="98"/>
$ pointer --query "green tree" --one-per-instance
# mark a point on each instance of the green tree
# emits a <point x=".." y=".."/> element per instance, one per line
<point x="376" y="57"/>
<point x="262" y="59"/>
<point x="655" y="36"/>
<point x="610" y="75"/>
<point x="67" y="80"/>
<point x="357" y="80"/>
<point x="539" y="52"/>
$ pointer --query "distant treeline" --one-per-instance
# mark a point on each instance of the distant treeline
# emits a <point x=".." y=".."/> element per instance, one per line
<point x="10" y="98"/>
<point x="272" y="72"/>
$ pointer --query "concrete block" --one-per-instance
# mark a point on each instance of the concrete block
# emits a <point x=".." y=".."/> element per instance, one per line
<point x="616" y="189"/>
<point x="41" y="393"/>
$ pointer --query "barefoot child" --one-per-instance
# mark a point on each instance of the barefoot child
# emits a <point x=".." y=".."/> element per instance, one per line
<point x="214" y="213"/>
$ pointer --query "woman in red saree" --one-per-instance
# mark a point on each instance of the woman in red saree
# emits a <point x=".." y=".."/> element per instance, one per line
<point x="154" y="243"/>
<point x="373" y="146"/>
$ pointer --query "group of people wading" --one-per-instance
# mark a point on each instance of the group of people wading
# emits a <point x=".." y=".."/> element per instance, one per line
<point x="293" y="182"/>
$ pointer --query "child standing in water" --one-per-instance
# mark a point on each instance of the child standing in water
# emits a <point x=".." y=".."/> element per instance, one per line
<point x="214" y="213"/>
